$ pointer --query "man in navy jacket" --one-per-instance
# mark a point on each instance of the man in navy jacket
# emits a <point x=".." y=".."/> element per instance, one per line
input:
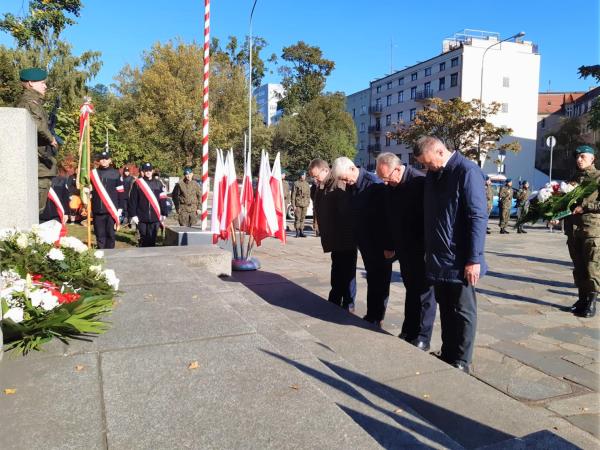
<point x="365" y="190"/>
<point x="406" y="242"/>
<point x="455" y="230"/>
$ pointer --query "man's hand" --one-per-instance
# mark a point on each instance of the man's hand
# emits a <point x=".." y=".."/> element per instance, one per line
<point x="578" y="210"/>
<point x="162" y="219"/>
<point x="389" y="254"/>
<point x="472" y="273"/>
<point x="134" y="220"/>
<point x="54" y="143"/>
<point x="198" y="212"/>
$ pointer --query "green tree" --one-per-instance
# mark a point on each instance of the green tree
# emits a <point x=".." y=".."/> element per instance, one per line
<point x="321" y="129"/>
<point x="461" y="125"/>
<point x="305" y="79"/>
<point x="594" y="72"/>
<point x="568" y="138"/>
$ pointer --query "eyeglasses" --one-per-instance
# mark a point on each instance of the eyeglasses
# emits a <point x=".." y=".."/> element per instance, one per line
<point x="389" y="177"/>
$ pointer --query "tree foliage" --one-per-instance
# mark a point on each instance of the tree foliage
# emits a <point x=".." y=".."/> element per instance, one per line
<point x="594" y="72"/>
<point x="321" y="129"/>
<point x="305" y="79"/>
<point x="460" y="125"/>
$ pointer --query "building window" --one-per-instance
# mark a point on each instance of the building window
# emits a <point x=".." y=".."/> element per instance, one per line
<point x="543" y="124"/>
<point x="504" y="107"/>
<point x="398" y="142"/>
<point x="413" y="76"/>
<point x="353" y="112"/>
<point x="454" y="80"/>
<point x="377" y="140"/>
<point x="442" y="84"/>
<point x="363" y="109"/>
<point x="387" y="141"/>
<point x="400" y="96"/>
<point x="454" y="62"/>
<point x="442" y="66"/>
<point x="427" y="88"/>
<point x="378" y="102"/>
<point x="362" y="127"/>
<point x="413" y="92"/>
<point x="505" y="82"/>
<point x="388" y="100"/>
<point x="389" y="85"/>
<point x="399" y="116"/>
<point x="388" y="119"/>
<point x="378" y="89"/>
<point x="413" y="114"/>
<point x="401" y="81"/>
<point x="427" y="71"/>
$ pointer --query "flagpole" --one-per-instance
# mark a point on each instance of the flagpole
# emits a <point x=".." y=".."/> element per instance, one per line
<point x="242" y="234"/>
<point x="89" y="203"/>
<point x="205" y="187"/>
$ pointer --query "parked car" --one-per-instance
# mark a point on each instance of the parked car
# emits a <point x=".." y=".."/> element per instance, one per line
<point x="497" y="183"/>
<point x="292" y="216"/>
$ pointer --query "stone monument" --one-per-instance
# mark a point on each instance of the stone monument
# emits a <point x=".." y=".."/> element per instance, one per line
<point x="19" y="169"/>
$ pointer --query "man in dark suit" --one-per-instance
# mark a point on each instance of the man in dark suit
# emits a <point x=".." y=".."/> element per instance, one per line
<point x="406" y="243"/>
<point x="455" y="230"/>
<point x="365" y="191"/>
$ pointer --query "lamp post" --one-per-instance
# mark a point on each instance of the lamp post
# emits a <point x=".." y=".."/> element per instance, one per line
<point x="520" y="34"/>
<point x="250" y="83"/>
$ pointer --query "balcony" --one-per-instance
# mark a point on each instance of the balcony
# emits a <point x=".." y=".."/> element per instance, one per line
<point x="374" y="148"/>
<point x="376" y="109"/>
<point x="424" y="95"/>
<point x="374" y="129"/>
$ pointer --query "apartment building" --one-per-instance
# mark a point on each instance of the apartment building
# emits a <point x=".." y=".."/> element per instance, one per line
<point x="357" y="105"/>
<point x="507" y="74"/>
<point x="267" y="97"/>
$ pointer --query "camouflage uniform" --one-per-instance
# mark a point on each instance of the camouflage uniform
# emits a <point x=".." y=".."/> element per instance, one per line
<point x="300" y="202"/>
<point x="505" y="197"/>
<point x="188" y="201"/>
<point x="33" y="102"/>
<point x="523" y="206"/>
<point x="489" y="195"/>
<point x="583" y="241"/>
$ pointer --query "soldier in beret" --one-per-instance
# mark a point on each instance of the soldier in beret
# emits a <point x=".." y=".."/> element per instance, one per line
<point x="32" y="99"/>
<point x="505" y="197"/>
<point x="300" y="202"/>
<point x="188" y="199"/>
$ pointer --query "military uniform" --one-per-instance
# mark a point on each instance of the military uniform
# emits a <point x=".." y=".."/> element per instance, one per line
<point x="188" y="200"/>
<point x="522" y="205"/>
<point x="33" y="102"/>
<point x="583" y="241"/>
<point x="300" y="202"/>
<point x="505" y="197"/>
<point x="489" y="195"/>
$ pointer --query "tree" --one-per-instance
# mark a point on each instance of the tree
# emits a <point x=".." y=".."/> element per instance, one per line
<point x="305" y="80"/>
<point x="321" y="129"/>
<point x="568" y="138"/>
<point x="462" y="126"/>
<point x="594" y="72"/>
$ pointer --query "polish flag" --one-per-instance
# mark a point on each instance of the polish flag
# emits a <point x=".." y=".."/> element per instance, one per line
<point x="264" y="217"/>
<point x="218" y="198"/>
<point x="231" y="207"/>
<point x="278" y="200"/>
<point x="246" y="197"/>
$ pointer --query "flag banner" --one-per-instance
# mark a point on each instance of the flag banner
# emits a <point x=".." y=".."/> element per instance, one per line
<point x="246" y="197"/>
<point x="264" y="217"/>
<point x="278" y="199"/>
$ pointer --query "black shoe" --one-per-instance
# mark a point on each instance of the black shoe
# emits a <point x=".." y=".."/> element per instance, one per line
<point x="421" y="345"/>
<point x="488" y="232"/>
<point x="519" y="230"/>
<point x="403" y="336"/>
<point x="297" y="234"/>
<point x="523" y="231"/>
<point x="503" y="231"/>
<point x="579" y="304"/>
<point x="463" y="367"/>
<point x="588" y="309"/>
<point x="302" y="234"/>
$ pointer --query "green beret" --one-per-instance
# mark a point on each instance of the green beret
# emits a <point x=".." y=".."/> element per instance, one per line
<point x="33" y="74"/>
<point x="584" y="149"/>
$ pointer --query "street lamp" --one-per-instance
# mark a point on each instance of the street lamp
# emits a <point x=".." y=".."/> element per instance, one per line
<point x="520" y="34"/>
<point x="250" y="85"/>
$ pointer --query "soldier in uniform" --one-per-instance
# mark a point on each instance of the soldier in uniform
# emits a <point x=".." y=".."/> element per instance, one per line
<point x="505" y="197"/>
<point x="147" y="206"/>
<point x="128" y="180"/>
<point x="522" y="203"/>
<point x="108" y="200"/>
<point x="489" y="195"/>
<point x="286" y="194"/>
<point x="188" y="199"/>
<point x="300" y="202"/>
<point x="583" y="236"/>
<point x="34" y="85"/>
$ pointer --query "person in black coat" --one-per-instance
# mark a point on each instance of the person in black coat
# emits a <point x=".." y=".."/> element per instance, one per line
<point x="108" y="200"/>
<point x="57" y="206"/>
<point x="147" y="206"/>
<point x="404" y="217"/>
<point x="365" y="190"/>
<point x="332" y="209"/>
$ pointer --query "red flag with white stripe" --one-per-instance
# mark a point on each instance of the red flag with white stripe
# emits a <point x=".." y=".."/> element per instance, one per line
<point x="278" y="200"/>
<point x="246" y="197"/>
<point x="264" y="217"/>
<point x="231" y="207"/>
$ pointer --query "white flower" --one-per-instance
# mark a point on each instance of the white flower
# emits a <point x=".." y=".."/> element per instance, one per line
<point x="7" y="233"/>
<point x="111" y="278"/>
<point x="544" y="194"/>
<point x="74" y="243"/>
<point x="96" y="269"/>
<point x="48" y="232"/>
<point x="16" y="314"/>
<point x="99" y="254"/>
<point x="43" y="298"/>
<point x="50" y="302"/>
<point x="56" y="255"/>
<point x="565" y="188"/>
<point x="22" y="241"/>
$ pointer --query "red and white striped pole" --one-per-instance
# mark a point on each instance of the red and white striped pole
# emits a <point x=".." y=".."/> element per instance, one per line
<point x="205" y="187"/>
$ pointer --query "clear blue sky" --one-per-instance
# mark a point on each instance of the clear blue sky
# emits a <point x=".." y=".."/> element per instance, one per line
<point x="355" y="34"/>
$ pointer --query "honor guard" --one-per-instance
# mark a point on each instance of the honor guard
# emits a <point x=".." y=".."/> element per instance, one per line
<point x="108" y="200"/>
<point x="57" y="205"/>
<point x="147" y="206"/>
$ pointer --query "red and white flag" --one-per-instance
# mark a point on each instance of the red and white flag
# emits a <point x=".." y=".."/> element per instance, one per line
<point x="231" y="207"/>
<point x="264" y="217"/>
<point x="246" y="197"/>
<point x="218" y="198"/>
<point x="278" y="200"/>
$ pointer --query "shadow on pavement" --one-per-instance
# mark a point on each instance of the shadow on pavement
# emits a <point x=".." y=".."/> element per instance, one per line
<point x="535" y="259"/>
<point x="512" y="277"/>
<point x="518" y="298"/>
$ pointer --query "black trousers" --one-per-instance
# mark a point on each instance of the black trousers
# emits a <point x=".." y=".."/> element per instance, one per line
<point x="104" y="229"/>
<point x="458" y="314"/>
<point x="419" y="305"/>
<point x="379" y="275"/>
<point x="343" y="277"/>
<point x="148" y="232"/>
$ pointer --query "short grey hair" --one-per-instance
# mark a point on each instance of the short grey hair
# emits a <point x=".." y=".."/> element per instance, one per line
<point x="341" y="166"/>
<point x="426" y="143"/>
<point x="388" y="159"/>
